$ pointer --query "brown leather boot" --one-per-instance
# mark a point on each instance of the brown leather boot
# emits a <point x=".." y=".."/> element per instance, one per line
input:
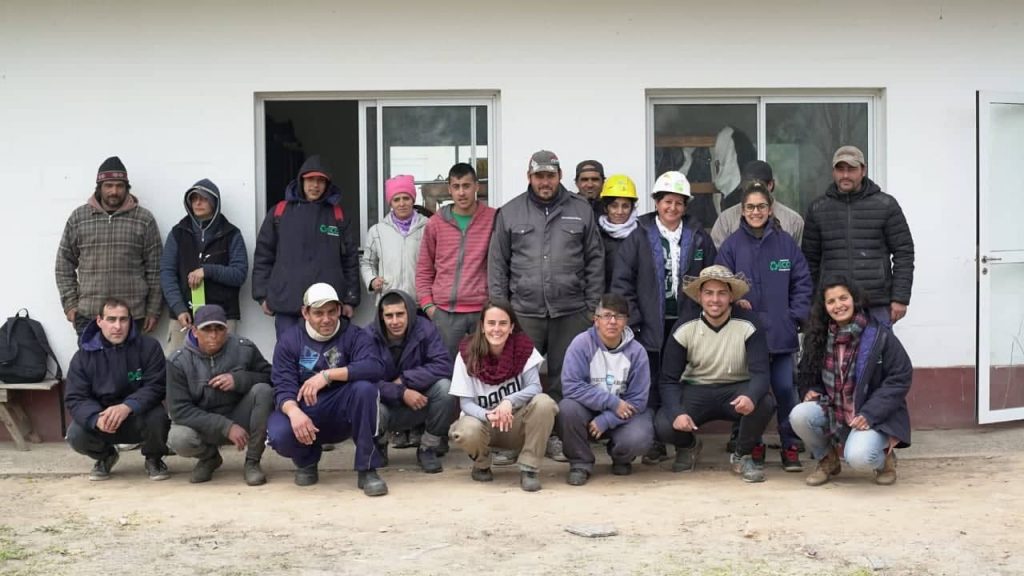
<point x="828" y="467"/>
<point x="887" y="475"/>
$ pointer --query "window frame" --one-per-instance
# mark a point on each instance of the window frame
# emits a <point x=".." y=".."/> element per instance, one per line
<point x="874" y="98"/>
<point x="486" y="98"/>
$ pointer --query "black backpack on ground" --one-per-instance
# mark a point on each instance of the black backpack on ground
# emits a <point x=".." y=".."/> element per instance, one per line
<point x="24" y="350"/>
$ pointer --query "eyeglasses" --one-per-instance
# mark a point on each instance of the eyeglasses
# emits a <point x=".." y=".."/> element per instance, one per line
<point x="608" y="317"/>
<point x="755" y="207"/>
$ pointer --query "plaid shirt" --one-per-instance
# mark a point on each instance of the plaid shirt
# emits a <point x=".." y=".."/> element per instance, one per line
<point x="110" y="255"/>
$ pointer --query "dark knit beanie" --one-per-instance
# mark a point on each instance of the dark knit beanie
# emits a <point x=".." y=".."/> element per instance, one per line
<point x="112" y="169"/>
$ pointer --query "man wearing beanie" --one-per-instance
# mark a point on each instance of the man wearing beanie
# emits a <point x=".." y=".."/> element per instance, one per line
<point x="589" y="182"/>
<point x="305" y="239"/>
<point x="547" y="258"/>
<point x="204" y="261"/>
<point x="110" y="249"/>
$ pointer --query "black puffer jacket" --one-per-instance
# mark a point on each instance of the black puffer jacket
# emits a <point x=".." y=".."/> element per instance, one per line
<point x="865" y="236"/>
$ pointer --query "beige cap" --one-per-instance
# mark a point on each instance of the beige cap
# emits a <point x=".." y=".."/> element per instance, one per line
<point x="320" y="294"/>
<point x="849" y="154"/>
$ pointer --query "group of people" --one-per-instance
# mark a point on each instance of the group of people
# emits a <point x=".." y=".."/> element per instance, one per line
<point x="648" y="325"/>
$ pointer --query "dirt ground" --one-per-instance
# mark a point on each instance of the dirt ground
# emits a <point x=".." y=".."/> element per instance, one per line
<point x="960" y="515"/>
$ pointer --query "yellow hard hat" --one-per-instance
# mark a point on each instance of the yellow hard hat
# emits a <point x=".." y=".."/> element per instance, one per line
<point x="619" y="186"/>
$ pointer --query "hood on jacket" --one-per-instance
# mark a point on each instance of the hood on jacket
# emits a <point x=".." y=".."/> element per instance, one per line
<point x="627" y="337"/>
<point x="293" y="193"/>
<point x="92" y="339"/>
<point x="412" y="310"/>
<point x="211" y="192"/>
<point x="867" y="188"/>
<point x="130" y="203"/>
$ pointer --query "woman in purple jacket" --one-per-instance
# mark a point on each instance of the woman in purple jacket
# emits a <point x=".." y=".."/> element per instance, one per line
<point x="780" y="294"/>
<point x="855" y="376"/>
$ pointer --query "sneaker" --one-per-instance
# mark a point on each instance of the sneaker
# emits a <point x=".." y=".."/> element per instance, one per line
<point x="554" y="449"/>
<point x="576" y="477"/>
<point x="156" y="469"/>
<point x="482" y="475"/>
<point x="371" y="483"/>
<point x="655" y="454"/>
<point x="827" y="467"/>
<point x="382" y="449"/>
<point x="757" y="454"/>
<point x="127" y="447"/>
<point x="529" y="481"/>
<point x="887" y="475"/>
<point x="307" y="476"/>
<point x="622" y="468"/>
<point x="791" y="459"/>
<point x="101" y="470"/>
<point x="427" y="457"/>
<point x="203" y="470"/>
<point x="686" y="458"/>
<point x="254" y="475"/>
<point x="503" y="457"/>
<point x="747" y="468"/>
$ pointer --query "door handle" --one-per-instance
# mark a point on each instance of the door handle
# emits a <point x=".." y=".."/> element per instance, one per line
<point x="987" y="259"/>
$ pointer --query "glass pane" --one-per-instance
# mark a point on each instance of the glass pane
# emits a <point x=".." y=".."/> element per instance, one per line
<point x="1002" y="196"/>
<point x="800" y="140"/>
<point x="298" y="129"/>
<point x="425" y="141"/>
<point x="709" y="143"/>
<point x="373" y="193"/>
<point x="1006" y="333"/>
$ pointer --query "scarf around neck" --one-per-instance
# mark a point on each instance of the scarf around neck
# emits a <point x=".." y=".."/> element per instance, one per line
<point x="404" y="225"/>
<point x="618" y="231"/>
<point x="673" y="238"/>
<point x="837" y="374"/>
<point x="312" y="333"/>
<point x="497" y="369"/>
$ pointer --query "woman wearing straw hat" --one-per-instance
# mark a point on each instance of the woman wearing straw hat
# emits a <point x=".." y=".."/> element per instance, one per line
<point x="666" y="245"/>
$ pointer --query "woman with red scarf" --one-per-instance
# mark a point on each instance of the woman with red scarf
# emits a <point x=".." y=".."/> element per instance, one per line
<point x="854" y="376"/>
<point x="497" y="382"/>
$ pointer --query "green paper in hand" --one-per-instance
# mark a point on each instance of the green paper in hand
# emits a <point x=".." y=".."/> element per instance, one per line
<point x="199" y="296"/>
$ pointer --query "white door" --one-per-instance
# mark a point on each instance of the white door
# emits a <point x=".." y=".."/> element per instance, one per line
<point x="1000" y="257"/>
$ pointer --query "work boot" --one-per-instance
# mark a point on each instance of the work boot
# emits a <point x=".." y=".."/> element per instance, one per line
<point x="887" y="475"/>
<point x="747" y="468"/>
<point x="686" y="458"/>
<point x="828" y="467"/>
<point x="427" y="457"/>
<point x="101" y="470"/>
<point x="655" y="454"/>
<point x="203" y="470"/>
<point x="254" y="475"/>
<point x="622" y="468"/>
<point x="529" y="481"/>
<point x="156" y="469"/>
<point x="400" y="439"/>
<point x="554" y="449"/>
<point x="307" y="475"/>
<point x="576" y="477"/>
<point x="482" y="475"/>
<point x="791" y="459"/>
<point x="371" y="483"/>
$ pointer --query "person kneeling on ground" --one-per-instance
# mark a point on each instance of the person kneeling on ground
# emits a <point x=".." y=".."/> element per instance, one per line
<point x="855" y="376"/>
<point x="605" y="383"/>
<point x="497" y="381"/>
<point x="417" y="368"/>
<point x="218" y="392"/>
<point x="115" y="387"/>
<point x="324" y="373"/>
<point x="715" y="367"/>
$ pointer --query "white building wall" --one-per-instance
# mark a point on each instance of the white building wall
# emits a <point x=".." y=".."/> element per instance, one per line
<point x="170" y="89"/>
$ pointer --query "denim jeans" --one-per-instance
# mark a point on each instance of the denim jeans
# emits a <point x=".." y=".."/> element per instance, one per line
<point x="781" y="372"/>
<point x="864" y="451"/>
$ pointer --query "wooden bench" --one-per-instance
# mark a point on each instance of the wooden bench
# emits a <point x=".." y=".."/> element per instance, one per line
<point x="16" y="419"/>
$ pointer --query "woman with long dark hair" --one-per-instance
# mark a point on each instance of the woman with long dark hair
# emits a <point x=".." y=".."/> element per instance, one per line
<point x="497" y="382"/>
<point x="854" y="377"/>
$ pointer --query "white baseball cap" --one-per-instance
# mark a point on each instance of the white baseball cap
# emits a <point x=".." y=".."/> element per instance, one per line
<point x="320" y="294"/>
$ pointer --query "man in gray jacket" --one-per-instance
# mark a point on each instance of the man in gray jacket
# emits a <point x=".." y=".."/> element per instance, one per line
<point x="218" y="392"/>
<point x="546" y="257"/>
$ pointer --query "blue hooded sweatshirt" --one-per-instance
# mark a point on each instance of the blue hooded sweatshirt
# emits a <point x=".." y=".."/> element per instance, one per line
<point x="779" y="279"/>
<point x="104" y="375"/>
<point x="598" y="377"/>
<point x="423" y="359"/>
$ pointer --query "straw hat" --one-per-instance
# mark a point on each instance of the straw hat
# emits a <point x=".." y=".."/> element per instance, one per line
<point x="737" y="282"/>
